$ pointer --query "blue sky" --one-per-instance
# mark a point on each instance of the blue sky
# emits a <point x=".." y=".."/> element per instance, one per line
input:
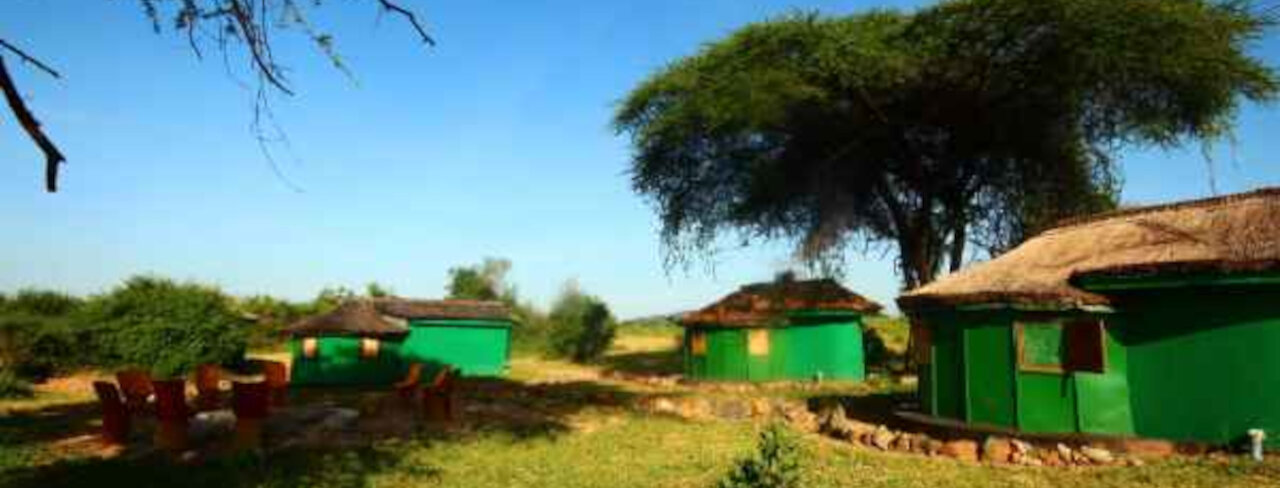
<point x="494" y="143"/>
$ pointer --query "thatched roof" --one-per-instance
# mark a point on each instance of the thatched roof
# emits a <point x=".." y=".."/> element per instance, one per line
<point x="444" y="309"/>
<point x="1226" y="234"/>
<point x="762" y="304"/>
<point x="354" y="318"/>
<point x="389" y="316"/>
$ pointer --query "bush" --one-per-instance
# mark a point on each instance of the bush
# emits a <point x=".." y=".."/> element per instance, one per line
<point x="270" y="315"/>
<point x="164" y="326"/>
<point x="36" y="336"/>
<point x="13" y="386"/>
<point x="776" y="463"/>
<point x="581" y="326"/>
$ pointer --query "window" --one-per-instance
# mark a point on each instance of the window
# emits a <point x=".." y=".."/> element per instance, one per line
<point x="758" y="342"/>
<point x="698" y="343"/>
<point x="368" y="348"/>
<point x="310" y="348"/>
<point x="1086" y="346"/>
<point x="921" y="344"/>
<point x="1061" y="347"/>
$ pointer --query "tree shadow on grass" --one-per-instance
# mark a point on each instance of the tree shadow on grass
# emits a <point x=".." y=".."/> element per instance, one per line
<point x="49" y="423"/>
<point x="299" y="455"/>
<point x="345" y="468"/>
<point x="645" y="363"/>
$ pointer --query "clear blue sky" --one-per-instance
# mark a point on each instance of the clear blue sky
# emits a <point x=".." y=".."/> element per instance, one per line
<point x="495" y="143"/>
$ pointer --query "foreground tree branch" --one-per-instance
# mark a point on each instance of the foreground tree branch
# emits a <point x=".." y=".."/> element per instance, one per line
<point x="53" y="156"/>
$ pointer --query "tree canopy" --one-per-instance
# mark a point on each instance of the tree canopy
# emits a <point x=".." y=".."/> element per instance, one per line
<point x="485" y="281"/>
<point x="971" y="121"/>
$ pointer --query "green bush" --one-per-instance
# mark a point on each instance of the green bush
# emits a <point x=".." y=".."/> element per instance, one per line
<point x="13" y="386"/>
<point x="165" y="326"/>
<point x="36" y="336"/>
<point x="776" y="463"/>
<point x="271" y="315"/>
<point x="581" y="326"/>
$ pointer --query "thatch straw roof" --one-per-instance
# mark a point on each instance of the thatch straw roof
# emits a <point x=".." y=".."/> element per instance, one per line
<point x="354" y="318"/>
<point x="444" y="309"/>
<point x="763" y="304"/>
<point x="389" y="316"/>
<point x="1226" y="234"/>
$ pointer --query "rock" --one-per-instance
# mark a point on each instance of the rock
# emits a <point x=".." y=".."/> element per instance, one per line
<point x="1134" y="462"/>
<point x="932" y="446"/>
<point x="996" y="450"/>
<point x="799" y="417"/>
<point x="1097" y="455"/>
<point x="732" y="408"/>
<point x="760" y="407"/>
<point x="964" y="450"/>
<point x="1022" y="447"/>
<point x="663" y="405"/>
<point x="1065" y="454"/>
<point x="903" y="442"/>
<point x="1149" y="447"/>
<point x="881" y="438"/>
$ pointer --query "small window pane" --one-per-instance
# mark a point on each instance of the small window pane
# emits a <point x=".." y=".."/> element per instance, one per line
<point x="698" y="344"/>
<point x="758" y="342"/>
<point x="1086" y="347"/>
<point x="310" y="348"/>
<point x="1040" y="346"/>
<point x="368" y="348"/>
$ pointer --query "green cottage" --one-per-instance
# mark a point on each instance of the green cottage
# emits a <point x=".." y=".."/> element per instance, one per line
<point x="1158" y="322"/>
<point x="372" y="342"/>
<point x="785" y="330"/>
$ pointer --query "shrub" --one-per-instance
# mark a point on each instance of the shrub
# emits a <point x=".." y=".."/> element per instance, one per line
<point x="165" y="326"/>
<point x="776" y="463"/>
<point x="36" y="337"/>
<point x="270" y="315"/>
<point x="13" y="386"/>
<point x="581" y="325"/>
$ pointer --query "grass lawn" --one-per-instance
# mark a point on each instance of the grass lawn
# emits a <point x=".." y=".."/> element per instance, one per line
<point x="580" y="443"/>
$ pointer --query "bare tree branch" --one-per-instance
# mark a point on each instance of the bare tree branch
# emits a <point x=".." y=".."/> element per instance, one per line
<point x="29" y="59"/>
<point x="53" y="157"/>
<point x="413" y="20"/>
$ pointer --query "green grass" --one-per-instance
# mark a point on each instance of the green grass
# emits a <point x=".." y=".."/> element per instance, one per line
<point x="567" y="441"/>
<point x="616" y="450"/>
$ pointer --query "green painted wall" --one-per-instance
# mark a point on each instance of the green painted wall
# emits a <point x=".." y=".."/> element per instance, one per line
<point x="475" y="347"/>
<point x="798" y="351"/>
<point x="974" y="376"/>
<point x="1204" y="361"/>
<point x="338" y="362"/>
<point x="990" y="386"/>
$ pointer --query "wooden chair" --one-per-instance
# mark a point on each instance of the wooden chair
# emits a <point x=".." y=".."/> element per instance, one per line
<point x="408" y="386"/>
<point x="208" y="397"/>
<point x="250" y="402"/>
<point x="172" y="413"/>
<point x="115" y="414"/>
<point x="276" y="376"/>
<point x="137" y="388"/>
<point x="438" y="397"/>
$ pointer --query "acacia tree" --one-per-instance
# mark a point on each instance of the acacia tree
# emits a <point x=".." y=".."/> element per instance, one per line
<point x="245" y="27"/>
<point x="992" y="117"/>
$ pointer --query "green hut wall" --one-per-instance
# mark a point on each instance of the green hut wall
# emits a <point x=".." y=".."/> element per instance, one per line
<point x="973" y="375"/>
<point x="338" y="362"/>
<point x="800" y="350"/>
<point x="1203" y="357"/>
<point x="475" y="347"/>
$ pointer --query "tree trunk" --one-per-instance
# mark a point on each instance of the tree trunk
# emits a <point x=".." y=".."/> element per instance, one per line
<point x="958" y="238"/>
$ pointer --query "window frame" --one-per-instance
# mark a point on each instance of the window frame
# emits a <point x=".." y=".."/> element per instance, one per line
<point x="1064" y="365"/>
<point x="698" y="343"/>
<point x="370" y="348"/>
<point x="310" y="348"/>
<point x="759" y="344"/>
